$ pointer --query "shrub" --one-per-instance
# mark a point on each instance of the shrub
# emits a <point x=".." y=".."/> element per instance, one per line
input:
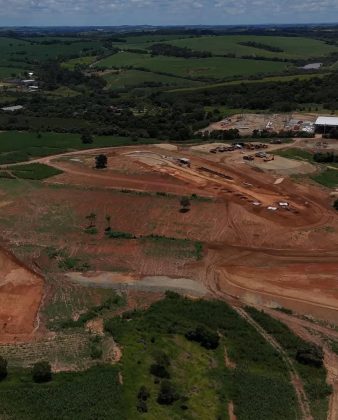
<point x="142" y="406"/>
<point x="205" y="337"/>
<point x="335" y="205"/>
<point x="159" y="371"/>
<point x="168" y="394"/>
<point x="3" y="368"/>
<point x="143" y="393"/>
<point x="42" y="372"/>
<point x="101" y="162"/>
<point x="310" y="355"/>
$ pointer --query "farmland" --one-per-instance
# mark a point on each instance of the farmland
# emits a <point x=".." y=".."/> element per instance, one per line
<point x="214" y="68"/>
<point x="291" y="47"/>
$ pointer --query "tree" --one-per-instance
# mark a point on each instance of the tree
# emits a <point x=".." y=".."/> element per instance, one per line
<point x="335" y="205"/>
<point x="185" y="204"/>
<point x="3" y="368"/>
<point x="206" y="337"/>
<point x="87" y="138"/>
<point x="101" y="162"/>
<point x="42" y="372"/>
<point x="310" y="355"/>
<point x="92" y="219"/>
<point x="167" y="395"/>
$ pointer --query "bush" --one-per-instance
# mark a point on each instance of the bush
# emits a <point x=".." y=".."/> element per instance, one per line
<point x="205" y="337"/>
<point x="42" y="372"/>
<point x="3" y="368"/>
<point x="335" y="205"/>
<point x="310" y="355"/>
<point x="159" y="371"/>
<point x="143" y="393"/>
<point x="168" y="394"/>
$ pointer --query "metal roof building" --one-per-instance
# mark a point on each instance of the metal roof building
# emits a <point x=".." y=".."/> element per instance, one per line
<point x="327" y="122"/>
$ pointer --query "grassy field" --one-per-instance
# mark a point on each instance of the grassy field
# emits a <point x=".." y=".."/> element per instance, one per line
<point x="214" y="67"/>
<point x="34" y="171"/>
<point x="238" y="82"/>
<point x="23" y="146"/>
<point x="86" y="61"/>
<point x="297" y="154"/>
<point x="293" y="47"/>
<point x="132" y="78"/>
<point x="7" y="72"/>
<point x="328" y="178"/>
<point x="19" y="50"/>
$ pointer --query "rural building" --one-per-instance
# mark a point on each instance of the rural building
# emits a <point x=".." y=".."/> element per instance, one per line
<point x="12" y="108"/>
<point x="326" y="124"/>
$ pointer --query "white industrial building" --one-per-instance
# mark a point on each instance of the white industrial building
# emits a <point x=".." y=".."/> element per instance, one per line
<point x="325" y="124"/>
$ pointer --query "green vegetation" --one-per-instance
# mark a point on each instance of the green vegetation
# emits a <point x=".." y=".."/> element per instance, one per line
<point x="313" y="376"/>
<point x="200" y="383"/>
<point x="23" y="146"/>
<point x="328" y="178"/>
<point x="293" y="47"/>
<point x="293" y="153"/>
<point x="194" y="68"/>
<point x="34" y="171"/>
<point x="95" y="393"/>
<point x="126" y="78"/>
<point x="42" y="372"/>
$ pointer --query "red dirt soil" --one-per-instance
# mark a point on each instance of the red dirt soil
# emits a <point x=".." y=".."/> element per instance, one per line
<point x="286" y="258"/>
<point x="21" y="292"/>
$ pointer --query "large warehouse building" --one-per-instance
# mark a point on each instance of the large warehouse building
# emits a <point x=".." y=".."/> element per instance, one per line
<point x="326" y="124"/>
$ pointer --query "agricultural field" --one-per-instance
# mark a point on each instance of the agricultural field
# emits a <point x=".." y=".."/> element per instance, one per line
<point x="214" y="68"/>
<point x="293" y="47"/>
<point x="136" y="78"/>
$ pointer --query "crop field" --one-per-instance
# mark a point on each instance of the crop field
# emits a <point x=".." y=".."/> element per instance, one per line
<point x="131" y="78"/>
<point x="85" y="61"/>
<point x="215" y="67"/>
<point x="22" y="51"/>
<point x="293" y="47"/>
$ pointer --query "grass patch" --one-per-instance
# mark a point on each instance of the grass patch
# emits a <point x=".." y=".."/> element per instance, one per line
<point x="34" y="171"/>
<point x="328" y="178"/>
<point x="297" y="154"/>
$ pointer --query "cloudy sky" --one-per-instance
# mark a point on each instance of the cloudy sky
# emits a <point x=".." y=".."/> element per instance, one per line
<point x="164" y="12"/>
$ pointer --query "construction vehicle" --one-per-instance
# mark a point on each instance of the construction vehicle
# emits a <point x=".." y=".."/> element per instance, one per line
<point x="269" y="158"/>
<point x="248" y="157"/>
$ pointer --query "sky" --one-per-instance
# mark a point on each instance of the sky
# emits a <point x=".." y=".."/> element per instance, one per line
<point x="164" y="12"/>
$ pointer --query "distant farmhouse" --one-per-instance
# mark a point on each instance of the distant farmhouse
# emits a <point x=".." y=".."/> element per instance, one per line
<point x="12" y="108"/>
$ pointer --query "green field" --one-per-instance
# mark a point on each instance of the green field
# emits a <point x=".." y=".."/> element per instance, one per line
<point x="294" y="47"/>
<point x="35" y="171"/>
<point x="132" y="78"/>
<point x="23" y="146"/>
<point x="85" y="61"/>
<point x="214" y="67"/>
<point x="25" y="54"/>
<point x="238" y="82"/>
<point x="294" y="153"/>
<point x="328" y="178"/>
